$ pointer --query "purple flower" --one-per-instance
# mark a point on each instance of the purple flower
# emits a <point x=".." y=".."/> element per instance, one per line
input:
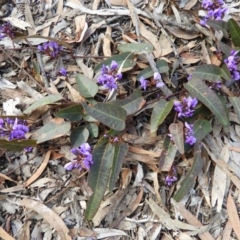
<point x="158" y="79"/>
<point x="109" y="76"/>
<point x="6" y="30"/>
<point x="18" y="131"/>
<point x="51" y="49"/>
<point x="13" y="129"/>
<point x="63" y="71"/>
<point x="189" y="134"/>
<point x="83" y="158"/>
<point x="216" y="10"/>
<point x="232" y="64"/>
<point x="144" y="83"/>
<point x="185" y="108"/>
<point x="171" y="177"/>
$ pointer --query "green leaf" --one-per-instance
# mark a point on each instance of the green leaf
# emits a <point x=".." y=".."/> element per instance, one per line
<point x="72" y="113"/>
<point x="98" y="177"/>
<point x="109" y="114"/>
<point x="176" y="130"/>
<point x="225" y="73"/>
<point x="209" y="98"/>
<point x="17" y="145"/>
<point x="160" y="111"/>
<point x="78" y="136"/>
<point x="234" y="31"/>
<point x="42" y="102"/>
<point x="135" y="47"/>
<point x="93" y="130"/>
<point x="54" y="129"/>
<point x="147" y="72"/>
<point x="128" y="64"/>
<point x="86" y="87"/>
<point x="132" y="103"/>
<point x="219" y="25"/>
<point x="236" y="105"/>
<point x="120" y="151"/>
<point x="208" y="72"/>
<point x="201" y="128"/>
<point x="189" y="180"/>
<point x="224" y="48"/>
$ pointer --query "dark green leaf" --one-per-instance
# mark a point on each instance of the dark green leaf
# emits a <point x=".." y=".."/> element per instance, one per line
<point x="135" y="47"/>
<point x="225" y="73"/>
<point x="160" y="111"/>
<point x="54" y="129"/>
<point x="224" y="48"/>
<point x="176" y="130"/>
<point x="208" y="72"/>
<point x="132" y="103"/>
<point x="109" y="114"/>
<point x="219" y="25"/>
<point x="72" y="113"/>
<point x="93" y="130"/>
<point x="78" y="136"/>
<point x="147" y="72"/>
<point x="120" y="151"/>
<point x="98" y="177"/>
<point x="236" y="104"/>
<point x="42" y="102"/>
<point x="234" y="31"/>
<point x="201" y="128"/>
<point x="129" y="63"/>
<point x="17" y="145"/>
<point x="86" y="87"/>
<point x="209" y="98"/>
<point x="189" y="181"/>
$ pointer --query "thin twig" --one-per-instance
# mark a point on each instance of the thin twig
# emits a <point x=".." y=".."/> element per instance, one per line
<point x="44" y="75"/>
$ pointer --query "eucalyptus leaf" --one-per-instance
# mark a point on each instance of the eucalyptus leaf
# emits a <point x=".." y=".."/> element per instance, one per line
<point x="72" y="113"/>
<point x="160" y="111"/>
<point x="128" y="64"/>
<point x="209" y="98"/>
<point x="98" y="177"/>
<point x="225" y="73"/>
<point x="43" y="102"/>
<point x="132" y="103"/>
<point x="17" y="145"/>
<point x="176" y="130"/>
<point x="208" y="72"/>
<point x="86" y="87"/>
<point x="234" y="30"/>
<point x="79" y="136"/>
<point x="189" y="181"/>
<point x="109" y="114"/>
<point x="135" y="47"/>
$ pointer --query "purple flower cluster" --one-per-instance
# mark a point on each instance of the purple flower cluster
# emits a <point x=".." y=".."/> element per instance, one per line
<point x="185" y="108"/>
<point x="109" y="76"/>
<point x="157" y="81"/>
<point x="171" y="177"/>
<point x="189" y="137"/>
<point x="13" y="129"/>
<point x="232" y="64"/>
<point x="215" y="10"/>
<point x="51" y="49"/>
<point x="63" y="72"/>
<point x="83" y="158"/>
<point x="6" y="30"/>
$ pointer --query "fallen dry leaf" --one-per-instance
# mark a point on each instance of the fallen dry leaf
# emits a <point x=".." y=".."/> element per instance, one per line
<point x="49" y="216"/>
<point x="40" y="170"/>
<point x="4" y="235"/>
<point x="233" y="215"/>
